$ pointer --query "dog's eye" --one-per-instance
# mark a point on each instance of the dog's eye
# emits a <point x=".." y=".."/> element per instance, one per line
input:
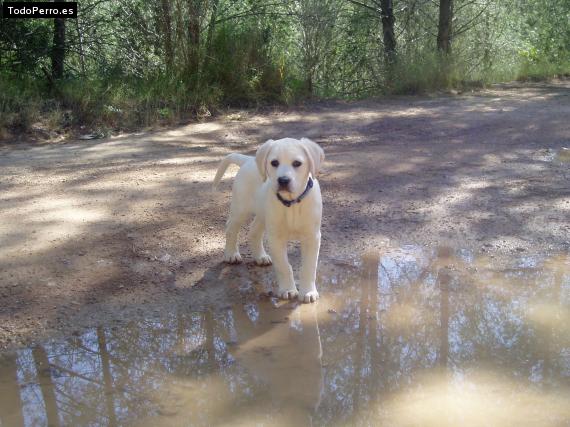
<point x="297" y="163"/>
<point x="274" y="163"/>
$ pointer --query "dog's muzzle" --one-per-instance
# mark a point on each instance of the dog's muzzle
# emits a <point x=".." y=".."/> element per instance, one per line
<point x="288" y="203"/>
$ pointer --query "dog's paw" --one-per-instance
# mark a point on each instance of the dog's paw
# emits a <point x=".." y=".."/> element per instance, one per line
<point x="263" y="260"/>
<point x="289" y="294"/>
<point x="232" y="258"/>
<point x="312" y="296"/>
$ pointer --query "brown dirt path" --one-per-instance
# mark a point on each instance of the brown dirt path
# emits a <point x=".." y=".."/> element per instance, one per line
<point x="101" y="231"/>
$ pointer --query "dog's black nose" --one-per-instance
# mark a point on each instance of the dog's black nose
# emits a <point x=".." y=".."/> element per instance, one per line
<point x="283" y="180"/>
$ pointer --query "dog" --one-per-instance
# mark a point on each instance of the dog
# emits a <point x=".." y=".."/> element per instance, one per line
<point x="279" y="187"/>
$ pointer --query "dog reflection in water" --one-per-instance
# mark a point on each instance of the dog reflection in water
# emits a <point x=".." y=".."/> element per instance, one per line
<point x="282" y="350"/>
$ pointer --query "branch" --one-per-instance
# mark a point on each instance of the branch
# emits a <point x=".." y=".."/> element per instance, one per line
<point x="356" y="2"/>
<point x="466" y="26"/>
<point x="75" y="374"/>
<point x="464" y="5"/>
<point x="251" y="12"/>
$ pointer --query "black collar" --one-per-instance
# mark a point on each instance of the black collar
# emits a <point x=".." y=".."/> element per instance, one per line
<point x="288" y="203"/>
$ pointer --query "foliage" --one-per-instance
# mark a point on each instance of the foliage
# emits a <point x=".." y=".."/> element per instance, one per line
<point x="133" y="63"/>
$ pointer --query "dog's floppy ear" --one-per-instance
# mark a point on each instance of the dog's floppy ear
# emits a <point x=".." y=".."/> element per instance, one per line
<point x="315" y="154"/>
<point x="261" y="157"/>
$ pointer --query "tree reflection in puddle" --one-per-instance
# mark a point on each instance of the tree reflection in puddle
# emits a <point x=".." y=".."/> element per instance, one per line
<point x="401" y="337"/>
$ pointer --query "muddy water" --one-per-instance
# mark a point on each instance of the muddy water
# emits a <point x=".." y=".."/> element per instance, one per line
<point x="413" y="336"/>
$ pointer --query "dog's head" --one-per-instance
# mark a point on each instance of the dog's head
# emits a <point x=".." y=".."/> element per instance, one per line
<point x="288" y="163"/>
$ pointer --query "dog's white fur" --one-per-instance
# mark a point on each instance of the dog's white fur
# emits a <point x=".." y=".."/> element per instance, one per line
<point x="255" y="193"/>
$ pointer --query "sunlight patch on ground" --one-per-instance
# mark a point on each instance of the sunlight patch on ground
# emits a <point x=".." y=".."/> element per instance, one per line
<point x="473" y="400"/>
<point x="46" y="221"/>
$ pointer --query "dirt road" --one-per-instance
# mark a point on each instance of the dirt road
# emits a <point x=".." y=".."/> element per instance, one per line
<point x="107" y="230"/>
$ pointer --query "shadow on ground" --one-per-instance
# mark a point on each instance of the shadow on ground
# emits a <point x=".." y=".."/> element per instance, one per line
<point x="95" y="229"/>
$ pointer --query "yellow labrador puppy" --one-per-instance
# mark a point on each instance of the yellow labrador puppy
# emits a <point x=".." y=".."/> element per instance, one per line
<point x="279" y="187"/>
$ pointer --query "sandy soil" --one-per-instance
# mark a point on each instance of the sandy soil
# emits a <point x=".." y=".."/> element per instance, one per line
<point x="103" y="231"/>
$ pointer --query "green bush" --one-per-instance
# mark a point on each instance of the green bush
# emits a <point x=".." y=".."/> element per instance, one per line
<point x="541" y="70"/>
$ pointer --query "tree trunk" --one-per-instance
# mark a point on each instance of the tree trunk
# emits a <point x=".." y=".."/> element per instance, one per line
<point x="47" y="386"/>
<point x="444" y="280"/>
<point x="389" y="39"/>
<point x="193" y="36"/>
<point x="487" y="58"/>
<point x="210" y="345"/>
<point x="167" y="33"/>
<point x="81" y="50"/>
<point x="210" y="35"/>
<point x="362" y="340"/>
<point x="58" y="49"/>
<point x="389" y="36"/>
<point x="444" y="27"/>
<point x="11" y="402"/>
<point x="107" y="376"/>
<point x="309" y="83"/>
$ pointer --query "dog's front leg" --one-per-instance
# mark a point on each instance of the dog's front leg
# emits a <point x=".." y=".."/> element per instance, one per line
<point x="283" y="270"/>
<point x="309" y="257"/>
<point x="256" y="242"/>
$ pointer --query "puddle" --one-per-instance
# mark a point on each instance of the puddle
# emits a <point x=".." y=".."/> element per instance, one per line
<point x="564" y="155"/>
<point x="403" y="337"/>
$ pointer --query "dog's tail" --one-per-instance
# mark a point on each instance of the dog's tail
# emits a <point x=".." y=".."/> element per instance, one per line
<point x="230" y="159"/>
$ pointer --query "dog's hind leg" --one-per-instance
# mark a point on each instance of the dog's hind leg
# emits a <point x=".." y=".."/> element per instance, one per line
<point x="256" y="242"/>
<point x="235" y="221"/>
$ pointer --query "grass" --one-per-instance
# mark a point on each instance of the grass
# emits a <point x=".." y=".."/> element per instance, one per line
<point x="28" y="105"/>
<point x="123" y="103"/>
<point x="424" y="73"/>
<point x="110" y="105"/>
